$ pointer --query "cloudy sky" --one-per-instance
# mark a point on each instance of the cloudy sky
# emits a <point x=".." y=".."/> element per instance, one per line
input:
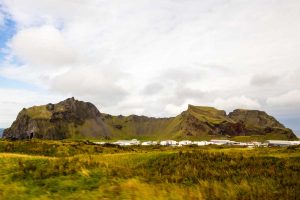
<point x="151" y="57"/>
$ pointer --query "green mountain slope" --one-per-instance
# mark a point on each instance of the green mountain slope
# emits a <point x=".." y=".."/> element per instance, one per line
<point x="77" y="119"/>
<point x="260" y="123"/>
<point x="66" y="119"/>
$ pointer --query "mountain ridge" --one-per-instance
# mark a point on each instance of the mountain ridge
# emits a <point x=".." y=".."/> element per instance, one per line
<point x="1" y="132"/>
<point x="77" y="119"/>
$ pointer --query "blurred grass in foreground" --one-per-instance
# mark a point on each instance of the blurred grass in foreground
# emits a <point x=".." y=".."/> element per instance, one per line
<point x="80" y="170"/>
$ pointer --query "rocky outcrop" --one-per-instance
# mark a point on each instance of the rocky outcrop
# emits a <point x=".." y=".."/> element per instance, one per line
<point x="77" y="119"/>
<point x="260" y="123"/>
<point x="67" y="119"/>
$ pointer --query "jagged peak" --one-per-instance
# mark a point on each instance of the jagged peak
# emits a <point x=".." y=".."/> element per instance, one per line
<point x="69" y="100"/>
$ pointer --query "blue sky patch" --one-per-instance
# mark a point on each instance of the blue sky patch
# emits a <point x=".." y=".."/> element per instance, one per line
<point x="6" y="33"/>
<point x="9" y="83"/>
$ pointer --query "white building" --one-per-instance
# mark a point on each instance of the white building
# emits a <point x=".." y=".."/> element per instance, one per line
<point x="101" y="143"/>
<point x="168" y="143"/>
<point x="148" y="143"/>
<point x="201" y="143"/>
<point x="281" y="143"/>
<point x="127" y="142"/>
<point x="243" y="144"/>
<point x="257" y="144"/>
<point x="295" y="142"/>
<point x="185" y="142"/>
<point x="221" y="142"/>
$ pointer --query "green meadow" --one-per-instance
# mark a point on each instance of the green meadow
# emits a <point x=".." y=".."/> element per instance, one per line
<point x="81" y="170"/>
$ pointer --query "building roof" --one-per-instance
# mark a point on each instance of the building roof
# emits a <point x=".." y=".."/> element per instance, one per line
<point x="278" y="141"/>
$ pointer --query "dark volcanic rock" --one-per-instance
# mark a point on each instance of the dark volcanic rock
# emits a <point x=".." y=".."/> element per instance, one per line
<point x="260" y="123"/>
<point x="199" y="121"/>
<point x="67" y="119"/>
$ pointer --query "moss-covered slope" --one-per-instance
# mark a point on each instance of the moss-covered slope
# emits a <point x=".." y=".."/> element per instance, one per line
<point x="201" y="121"/>
<point x="260" y="123"/>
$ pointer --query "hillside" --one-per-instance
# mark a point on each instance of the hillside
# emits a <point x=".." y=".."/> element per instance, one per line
<point x="1" y="131"/>
<point x="67" y="119"/>
<point x="77" y="119"/>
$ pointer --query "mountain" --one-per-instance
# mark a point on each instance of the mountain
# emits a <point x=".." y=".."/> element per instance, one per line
<point x="258" y="122"/>
<point x="297" y="132"/>
<point x="77" y="119"/>
<point x="67" y="119"/>
<point x="1" y="132"/>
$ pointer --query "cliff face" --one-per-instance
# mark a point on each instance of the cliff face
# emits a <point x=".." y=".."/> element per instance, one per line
<point x="67" y="119"/>
<point x="260" y="123"/>
<point x="199" y="121"/>
<point x="77" y="119"/>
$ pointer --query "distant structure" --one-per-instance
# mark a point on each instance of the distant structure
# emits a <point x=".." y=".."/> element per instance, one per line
<point x="268" y="143"/>
<point x="221" y="142"/>
<point x="148" y="143"/>
<point x="185" y="142"/>
<point x="127" y="142"/>
<point x="168" y="143"/>
<point x="281" y="143"/>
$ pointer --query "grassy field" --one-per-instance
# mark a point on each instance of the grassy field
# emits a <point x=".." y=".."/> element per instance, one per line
<point x="80" y="170"/>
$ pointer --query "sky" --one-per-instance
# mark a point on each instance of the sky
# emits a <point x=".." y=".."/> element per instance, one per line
<point x="151" y="57"/>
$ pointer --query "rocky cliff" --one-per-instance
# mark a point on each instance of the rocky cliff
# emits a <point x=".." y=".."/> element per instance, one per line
<point x="260" y="123"/>
<point x="76" y="119"/>
<point x="67" y="119"/>
<point x="199" y="120"/>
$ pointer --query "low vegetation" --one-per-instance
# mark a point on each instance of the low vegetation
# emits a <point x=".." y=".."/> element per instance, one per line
<point x="81" y="170"/>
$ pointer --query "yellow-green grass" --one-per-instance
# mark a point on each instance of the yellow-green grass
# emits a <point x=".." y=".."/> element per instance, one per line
<point x="18" y="155"/>
<point x="85" y="172"/>
<point x="41" y="112"/>
<point x="38" y="112"/>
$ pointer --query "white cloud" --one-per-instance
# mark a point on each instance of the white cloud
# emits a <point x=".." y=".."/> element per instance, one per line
<point x="155" y="57"/>
<point x="42" y="46"/>
<point x="96" y="84"/>
<point x="236" y="102"/>
<point x="264" y="79"/>
<point x="289" y="99"/>
<point x="13" y="100"/>
<point x="175" y="110"/>
<point x="1" y="20"/>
